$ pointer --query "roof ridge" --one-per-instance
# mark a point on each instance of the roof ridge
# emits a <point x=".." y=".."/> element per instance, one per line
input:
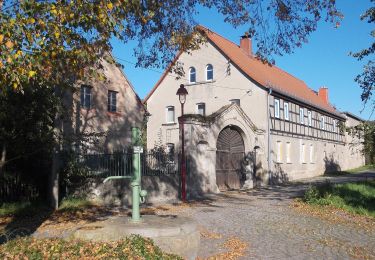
<point x="218" y="34"/>
<point x="274" y="66"/>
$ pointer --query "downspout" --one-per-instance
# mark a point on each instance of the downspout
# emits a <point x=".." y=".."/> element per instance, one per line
<point x="269" y="137"/>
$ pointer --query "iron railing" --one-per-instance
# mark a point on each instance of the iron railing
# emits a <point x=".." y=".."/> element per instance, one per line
<point x="120" y="164"/>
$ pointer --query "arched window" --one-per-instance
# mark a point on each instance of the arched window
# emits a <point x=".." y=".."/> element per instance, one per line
<point x="209" y="72"/>
<point x="192" y="75"/>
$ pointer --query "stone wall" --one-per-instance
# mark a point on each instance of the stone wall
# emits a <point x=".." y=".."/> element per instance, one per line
<point x="160" y="189"/>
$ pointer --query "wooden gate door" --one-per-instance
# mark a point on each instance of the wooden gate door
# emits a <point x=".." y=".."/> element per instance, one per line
<point x="229" y="157"/>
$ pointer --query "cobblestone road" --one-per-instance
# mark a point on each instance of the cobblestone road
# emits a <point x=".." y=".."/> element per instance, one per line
<point x="272" y="230"/>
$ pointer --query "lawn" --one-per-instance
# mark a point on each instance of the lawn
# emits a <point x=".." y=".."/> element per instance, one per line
<point x="351" y="171"/>
<point x="355" y="197"/>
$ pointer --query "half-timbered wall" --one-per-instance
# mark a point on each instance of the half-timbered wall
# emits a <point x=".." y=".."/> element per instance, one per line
<point x="293" y="126"/>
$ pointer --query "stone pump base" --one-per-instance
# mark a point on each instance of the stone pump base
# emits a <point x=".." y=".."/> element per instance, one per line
<point x="173" y="234"/>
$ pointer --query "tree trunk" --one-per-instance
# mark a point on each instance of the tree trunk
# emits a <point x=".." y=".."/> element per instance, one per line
<point x="54" y="180"/>
<point x="2" y="159"/>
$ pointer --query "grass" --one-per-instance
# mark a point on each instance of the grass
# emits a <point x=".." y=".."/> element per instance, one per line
<point x="351" y="171"/>
<point x="133" y="247"/>
<point x="29" y="208"/>
<point x="355" y="197"/>
<point x="21" y="208"/>
<point x="75" y="203"/>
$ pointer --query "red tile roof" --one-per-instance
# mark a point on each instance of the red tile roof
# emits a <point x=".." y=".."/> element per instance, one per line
<point x="269" y="76"/>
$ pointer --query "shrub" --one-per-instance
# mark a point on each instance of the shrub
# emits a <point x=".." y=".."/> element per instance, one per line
<point x="133" y="247"/>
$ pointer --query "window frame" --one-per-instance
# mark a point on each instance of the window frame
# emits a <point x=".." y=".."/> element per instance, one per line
<point x="192" y="71"/>
<point x="322" y="122"/>
<point x="301" y="115"/>
<point x="276" y="111"/>
<point x="334" y="123"/>
<point x="212" y="72"/>
<point x="279" y="147"/>
<point x="309" y="117"/>
<point x="83" y="96"/>
<point x="311" y="153"/>
<point x="288" y="152"/>
<point x="303" y="153"/>
<point x="167" y="114"/>
<point x="204" y="108"/>
<point x="170" y="149"/>
<point x="110" y="105"/>
<point x="286" y="110"/>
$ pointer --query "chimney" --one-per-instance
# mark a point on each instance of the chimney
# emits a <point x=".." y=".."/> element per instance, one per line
<point x="245" y="44"/>
<point x="323" y="94"/>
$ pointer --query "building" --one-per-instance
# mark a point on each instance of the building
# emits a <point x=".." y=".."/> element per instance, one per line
<point x="103" y="111"/>
<point x="247" y="123"/>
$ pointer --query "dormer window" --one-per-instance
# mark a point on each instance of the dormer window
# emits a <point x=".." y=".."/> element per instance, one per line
<point x="209" y="72"/>
<point x="192" y="75"/>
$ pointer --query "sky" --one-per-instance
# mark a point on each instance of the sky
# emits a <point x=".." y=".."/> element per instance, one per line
<point x="323" y="61"/>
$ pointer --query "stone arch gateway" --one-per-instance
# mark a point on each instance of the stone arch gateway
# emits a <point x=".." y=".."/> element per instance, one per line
<point x="230" y="154"/>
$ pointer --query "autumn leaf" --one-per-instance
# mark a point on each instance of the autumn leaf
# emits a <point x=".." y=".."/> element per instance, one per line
<point x="110" y="6"/>
<point x="9" y="44"/>
<point x="1" y="38"/>
<point x="32" y="73"/>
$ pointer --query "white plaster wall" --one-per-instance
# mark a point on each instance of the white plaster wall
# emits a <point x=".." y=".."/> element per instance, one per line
<point x="215" y="94"/>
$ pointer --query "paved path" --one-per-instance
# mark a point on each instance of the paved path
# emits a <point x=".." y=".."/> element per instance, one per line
<point x="272" y="230"/>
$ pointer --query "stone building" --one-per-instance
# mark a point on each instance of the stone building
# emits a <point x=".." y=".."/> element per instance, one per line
<point x="103" y="111"/>
<point x="247" y="123"/>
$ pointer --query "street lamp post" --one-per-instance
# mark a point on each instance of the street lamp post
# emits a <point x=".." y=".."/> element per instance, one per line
<point x="182" y="93"/>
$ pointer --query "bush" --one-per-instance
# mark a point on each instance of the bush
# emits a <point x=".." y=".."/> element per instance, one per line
<point x="319" y="194"/>
<point x="133" y="247"/>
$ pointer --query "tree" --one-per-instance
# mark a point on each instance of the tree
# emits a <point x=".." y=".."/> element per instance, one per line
<point x="59" y="39"/>
<point x="366" y="79"/>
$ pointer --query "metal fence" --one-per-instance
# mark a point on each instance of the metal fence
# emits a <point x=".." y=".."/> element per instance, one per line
<point x="120" y="164"/>
<point x="13" y="188"/>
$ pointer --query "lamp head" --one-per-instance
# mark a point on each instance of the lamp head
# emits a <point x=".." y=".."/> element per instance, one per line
<point x="182" y="93"/>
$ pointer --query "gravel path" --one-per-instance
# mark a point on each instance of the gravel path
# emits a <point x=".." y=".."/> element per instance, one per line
<point x="263" y="219"/>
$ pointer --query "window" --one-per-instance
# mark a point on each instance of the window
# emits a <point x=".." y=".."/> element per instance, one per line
<point x="309" y="118"/>
<point x="286" y="111"/>
<point x="288" y="151"/>
<point x="112" y="101"/>
<point x="209" y="72"/>
<point x="86" y="96"/>
<point x="170" y="151"/>
<point x="235" y="101"/>
<point x="303" y="153"/>
<point x="301" y="116"/>
<point x="192" y="75"/>
<point x="277" y="108"/>
<point x="322" y="122"/>
<point x="334" y="126"/>
<point x="311" y="153"/>
<point x="201" y="109"/>
<point x="279" y="151"/>
<point x="170" y="114"/>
